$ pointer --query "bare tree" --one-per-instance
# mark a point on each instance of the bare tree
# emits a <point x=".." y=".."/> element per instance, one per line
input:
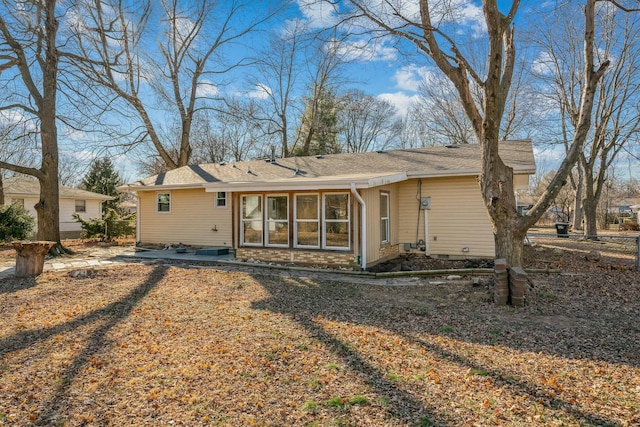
<point x="279" y="67"/>
<point x="430" y="32"/>
<point x="29" y="70"/>
<point x="365" y="122"/>
<point x="113" y="37"/>
<point x="616" y="117"/>
<point x="208" y="144"/>
<point x="236" y="131"/>
<point x="440" y="112"/>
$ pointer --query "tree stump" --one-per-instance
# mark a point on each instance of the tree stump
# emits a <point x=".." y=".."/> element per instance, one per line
<point x="30" y="257"/>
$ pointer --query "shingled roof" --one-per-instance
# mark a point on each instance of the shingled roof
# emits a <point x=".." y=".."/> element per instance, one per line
<point x="332" y="171"/>
<point x="30" y="187"/>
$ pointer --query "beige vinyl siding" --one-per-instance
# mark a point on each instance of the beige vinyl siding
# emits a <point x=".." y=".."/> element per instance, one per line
<point x="457" y="218"/>
<point x="372" y="200"/>
<point x="191" y="220"/>
<point x="520" y="182"/>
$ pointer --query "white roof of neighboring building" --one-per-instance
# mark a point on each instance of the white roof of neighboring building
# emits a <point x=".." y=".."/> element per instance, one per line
<point x="29" y="187"/>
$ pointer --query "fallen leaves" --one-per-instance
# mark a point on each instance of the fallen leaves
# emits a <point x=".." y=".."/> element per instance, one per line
<point x="200" y="347"/>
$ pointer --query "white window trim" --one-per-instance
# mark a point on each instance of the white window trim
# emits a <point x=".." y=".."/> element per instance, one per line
<point x="296" y="220"/>
<point x="347" y="221"/>
<point x="75" y="207"/>
<point x="226" y="200"/>
<point x="170" y="202"/>
<point x="267" y="221"/>
<point x="243" y="220"/>
<point x="386" y="217"/>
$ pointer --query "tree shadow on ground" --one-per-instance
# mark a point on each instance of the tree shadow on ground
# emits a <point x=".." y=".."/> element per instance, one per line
<point x="305" y="300"/>
<point x="15" y="284"/>
<point x="104" y="319"/>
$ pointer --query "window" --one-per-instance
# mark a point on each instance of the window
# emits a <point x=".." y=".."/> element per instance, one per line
<point x="221" y="199"/>
<point x="251" y="218"/>
<point x="19" y="202"/>
<point x="335" y="216"/>
<point x="81" y="206"/>
<point x="164" y="202"/>
<point x="277" y="221"/>
<point x="384" y="217"/>
<point x="307" y="221"/>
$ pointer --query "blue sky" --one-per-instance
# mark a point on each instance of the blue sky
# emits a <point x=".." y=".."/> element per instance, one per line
<point x="379" y="69"/>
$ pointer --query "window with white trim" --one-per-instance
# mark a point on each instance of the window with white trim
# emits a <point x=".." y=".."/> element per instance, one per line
<point x="307" y="221"/>
<point x="251" y="220"/>
<point x="277" y="220"/>
<point x="221" y="199"/>
<point x="384" y="218"/>
<point x="335" y="220"/>
<point x="81" y="206"/>
<point x="163" y="202"/>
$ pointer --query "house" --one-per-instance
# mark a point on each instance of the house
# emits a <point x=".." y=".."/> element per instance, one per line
<point x="26" y="192"/>
<point x="354" y="209"/>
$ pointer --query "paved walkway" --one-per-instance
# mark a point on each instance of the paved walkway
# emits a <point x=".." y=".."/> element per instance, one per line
<point x="108" y="257"/>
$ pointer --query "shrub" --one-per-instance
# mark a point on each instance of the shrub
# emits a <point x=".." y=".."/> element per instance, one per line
<point x="111" y="226"/>
<point x="15" y="223"/>
<point x="630" y="225"/>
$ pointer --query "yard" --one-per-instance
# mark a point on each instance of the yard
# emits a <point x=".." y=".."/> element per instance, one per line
<point x="159" y="345"/>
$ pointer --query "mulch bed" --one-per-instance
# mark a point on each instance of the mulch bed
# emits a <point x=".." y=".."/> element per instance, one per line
<point x="160" y="345"/>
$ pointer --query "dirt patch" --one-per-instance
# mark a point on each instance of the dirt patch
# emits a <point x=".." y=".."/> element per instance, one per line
<point x="543" y="252"/>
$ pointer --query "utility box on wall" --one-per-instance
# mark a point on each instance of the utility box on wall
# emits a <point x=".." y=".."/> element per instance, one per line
<point x="425" y="202"/>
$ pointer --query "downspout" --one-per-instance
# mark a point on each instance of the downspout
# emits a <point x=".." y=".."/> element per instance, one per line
<point x="363" y="226"/>
<point x="137" y="217"/>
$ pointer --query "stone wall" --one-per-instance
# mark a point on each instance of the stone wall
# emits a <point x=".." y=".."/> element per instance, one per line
<point x="388" y="252"/>
<point x="510" y="284"/>
<point x="501" y="282"/>
<point x="325" y="258"/>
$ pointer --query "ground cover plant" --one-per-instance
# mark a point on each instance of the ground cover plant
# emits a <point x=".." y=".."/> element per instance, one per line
<point x="160" y="344"/>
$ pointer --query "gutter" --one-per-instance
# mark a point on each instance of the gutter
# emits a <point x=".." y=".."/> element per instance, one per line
<point x="363" y="227"/>
<point x="518" y="170"/>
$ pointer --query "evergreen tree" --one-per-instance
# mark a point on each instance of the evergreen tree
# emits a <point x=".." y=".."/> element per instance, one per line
<point x="319" y="128"/>
<point x="104" y="179"/>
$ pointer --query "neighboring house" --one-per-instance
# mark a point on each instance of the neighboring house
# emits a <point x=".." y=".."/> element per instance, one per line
<point x="342" y="209"/>
<point x="26" y="192"/>
<point x="128" y="206"/>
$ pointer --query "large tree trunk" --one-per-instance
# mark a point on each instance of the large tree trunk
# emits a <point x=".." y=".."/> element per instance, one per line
<point x="48" y="205"/>
<point x="578" y="211"/>
<point x="590" y="205"/>
<point x="509" y="242"/>
<point x="1" y="190"/>
<point x="497" y="187"/>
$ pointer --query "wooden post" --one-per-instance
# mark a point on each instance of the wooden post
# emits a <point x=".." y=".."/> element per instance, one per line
<point x="30" y="257"/>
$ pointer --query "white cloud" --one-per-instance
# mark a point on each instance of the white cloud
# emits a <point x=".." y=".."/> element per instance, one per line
<point x="543" y="64"/>
<point x="11" y="117"/>
<point x="400" y="100"/>
<point x="363" y="50"/>
<point x="261" y="91"/>
<point x="412" y="76"/>
<point x="207" y="89"/>
<point x="73" y="134"/>
<point x="319" y="14"/>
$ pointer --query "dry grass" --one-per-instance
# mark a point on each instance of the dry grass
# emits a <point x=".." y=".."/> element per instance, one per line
<point x="154" y="345"/>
